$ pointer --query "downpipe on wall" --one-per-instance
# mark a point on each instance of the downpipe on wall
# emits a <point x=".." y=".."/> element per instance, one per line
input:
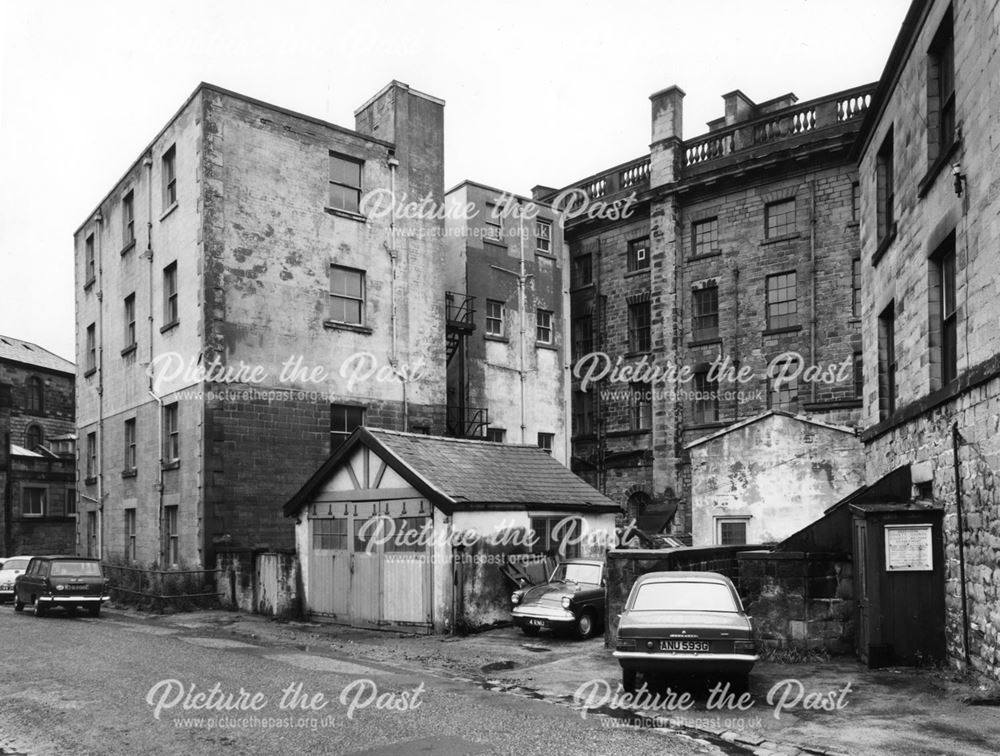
<point x="393" y="164"/>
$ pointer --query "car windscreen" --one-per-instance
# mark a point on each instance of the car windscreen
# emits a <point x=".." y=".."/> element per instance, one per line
<point x="87" y="569"/>
<point x="684" y="596"/>
<point x="15" y="564"/>
<point x="577" y="573"/>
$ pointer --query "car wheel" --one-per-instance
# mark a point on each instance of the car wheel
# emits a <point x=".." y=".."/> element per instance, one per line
<point x="39" y="609"/>
<point x="585" y="625"/>
<point x="94" y="611"/>
<point x="18" y="605"/>
<point x="529" y="630"/>
<point x="628" y="680"/>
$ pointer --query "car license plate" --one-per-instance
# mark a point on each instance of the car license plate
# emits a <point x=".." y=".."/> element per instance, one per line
<point x="537" y="622"/>
<point x="683" y="645"/>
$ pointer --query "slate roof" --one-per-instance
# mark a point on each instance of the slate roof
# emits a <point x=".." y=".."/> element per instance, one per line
<point x="18" y="350"/>
<point x="466" y="474"/>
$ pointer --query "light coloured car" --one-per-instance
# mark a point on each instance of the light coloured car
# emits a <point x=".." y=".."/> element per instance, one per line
<point x="679" y="623"/>
<point x="571" y="600"/>
<point x="10" y="569"/>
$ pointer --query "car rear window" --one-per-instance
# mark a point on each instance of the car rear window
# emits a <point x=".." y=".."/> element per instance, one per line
<point x="683" y="597"/>
<point x="76" y="568"/>
<point x="15" y="564"/>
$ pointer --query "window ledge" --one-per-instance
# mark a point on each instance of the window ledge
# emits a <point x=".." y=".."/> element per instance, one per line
<point x="832" y="404"/>
<point x="495" y="243"/>
<point x="884" y="245"/>
<point x="627" y="433"/>
<point x="91" y="481"/>
<point x="543" y="345"/>
<point x="853" y="223"/>
<point x="336" y="325"/>
<point x="346" y="214"/>
<point x="169" y="326"/>
<point x="777" y="331"/>
<point x="130" y="473"/>
<point x="936" y="167"/>
<point x="90" y="372"/>
<point x="168" y="211"/>
<point x="705" y="342"/>
<point x="501" y="339"/>
<point x="706" y="256"/>
<point x="172" y="465"/>
<point x="646" y="353"/>
<point x="130" y="349"/>
<point x="573" y="289"/>
<point x="776" y="239"/>
<point x="546" y="255"/>
<point x="128" y="248"/>
<point x="639" y="272"/>
<point x="713" y="425"/>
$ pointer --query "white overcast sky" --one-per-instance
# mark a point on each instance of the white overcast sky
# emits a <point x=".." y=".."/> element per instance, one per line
<point x="537" y="92"/>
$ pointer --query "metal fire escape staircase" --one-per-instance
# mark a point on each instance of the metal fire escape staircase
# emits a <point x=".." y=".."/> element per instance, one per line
<point x="463" y="421"/>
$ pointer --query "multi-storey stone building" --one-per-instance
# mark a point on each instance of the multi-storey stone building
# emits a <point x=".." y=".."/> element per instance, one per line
<point x="711" y="258"/>
<point x="930" y="241"/>
<point x="258" y="284"/>
<point x="37" y="475"/>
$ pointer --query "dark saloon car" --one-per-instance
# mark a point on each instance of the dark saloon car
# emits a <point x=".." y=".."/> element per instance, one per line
<point x="572" y="599"/>
<point x="684" y="623"/>
<point x="66" y="581"/>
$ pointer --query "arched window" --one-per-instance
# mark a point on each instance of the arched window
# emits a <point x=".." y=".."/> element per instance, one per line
<point x="33" y="437"/>
<point x="637" y="504"/>
<point x="36" y="395"/>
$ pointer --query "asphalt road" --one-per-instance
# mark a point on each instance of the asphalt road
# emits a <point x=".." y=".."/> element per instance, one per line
<point x="119" y="685"/>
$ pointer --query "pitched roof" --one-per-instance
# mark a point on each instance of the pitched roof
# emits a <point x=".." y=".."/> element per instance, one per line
<point x="762" y="416"/>
<point x="18" y="350"/>
<point x="463" y="474"/>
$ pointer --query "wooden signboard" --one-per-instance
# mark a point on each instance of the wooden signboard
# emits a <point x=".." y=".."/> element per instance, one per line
<point x="908" y="548"/>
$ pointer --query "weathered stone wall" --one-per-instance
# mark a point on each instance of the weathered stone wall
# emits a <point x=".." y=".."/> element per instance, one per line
<point x="265" y="583"/>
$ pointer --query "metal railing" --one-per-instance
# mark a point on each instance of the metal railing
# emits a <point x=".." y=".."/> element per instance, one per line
<point x="155" y="585"/>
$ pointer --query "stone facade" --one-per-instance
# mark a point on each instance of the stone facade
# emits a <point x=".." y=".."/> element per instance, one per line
<point x="37" y="471"/>
<point x="748" y="239"/>
<point x="930" y="241"/>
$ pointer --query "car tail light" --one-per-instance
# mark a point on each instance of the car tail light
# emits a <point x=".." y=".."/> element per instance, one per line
<point x="625" y="644"/>
<point x="744" y="647"/>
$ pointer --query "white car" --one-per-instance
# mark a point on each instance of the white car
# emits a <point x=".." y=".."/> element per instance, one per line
<point x="10" y="569"/>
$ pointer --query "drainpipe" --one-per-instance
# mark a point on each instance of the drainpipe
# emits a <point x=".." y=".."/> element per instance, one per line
<point x="393" y="164"/>
<point x="523" y="315"/>
<point x="736" y="345"/>
<point x="147" y="163"/>
<point x="598" y="419"/>
<point x="956" y="439"/>
<point x="812" y="283"/>
<point x="100" y="384"/>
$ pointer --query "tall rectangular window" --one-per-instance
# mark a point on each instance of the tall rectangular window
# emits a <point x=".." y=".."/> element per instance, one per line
<point x="130" y="535"/>
<point x="543" y="329"/>
<point x="128" y="220"/>
<point x="784" y="395"/>
<point x="779" y="218"/>
<point x="345" y="183"/>
<point x="130" y="457"/>
<point x="856" y="287"/>
<point x="494" y="224"/>
<point x="91" y="456"/>
<point x="583" y="336"/>
<point x="944" y="314"/>
<point x="494" y="318"/>
<point x="705" y="237"/>
<point x="641" y="414"/>
<point x="543" y="237"/>
<point x="129" y="321"/>
<point x="887" y="362"/>
<point x="885" y="197"/>
<point x="33" y="502"/>
<point x="582" y="272"/>
<point x="344" y="418"/>
<point x="169" y="172"/>
<point x="545" y="441"/>
<point x="705" y="313"/>
<point x="92" y="534"/>
<point x="859" y="376"/>
<point x="637" y="255"/>
<point x="89" y="260"/>
<point x="855" y="201"/>
<point x="171" y="313"/>
<point x="583" y="413"/>
<point x="706" y="399"/>
<point x="347" y="295"/>
<point x="639" y="327"/>
<point x="70" y="502"/>
<point x="172" y="535"/>
<point x="782" y="302"/>
<point x="171" y="433"/>
<point x="941" y="91"/>
<point x="91" y="347"/>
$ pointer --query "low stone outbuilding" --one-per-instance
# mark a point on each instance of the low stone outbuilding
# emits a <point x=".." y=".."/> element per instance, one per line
<point x="403" y="529"/>
<point x="764" y="478"/>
